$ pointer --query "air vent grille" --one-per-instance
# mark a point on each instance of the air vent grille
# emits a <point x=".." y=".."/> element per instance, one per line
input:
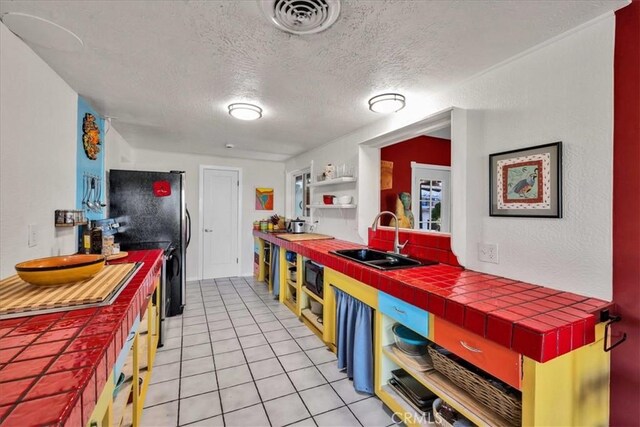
<point x="302" y="16"/>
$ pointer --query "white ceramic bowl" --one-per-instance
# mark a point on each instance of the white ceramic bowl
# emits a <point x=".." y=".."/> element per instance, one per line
<point x="344" y="200"/>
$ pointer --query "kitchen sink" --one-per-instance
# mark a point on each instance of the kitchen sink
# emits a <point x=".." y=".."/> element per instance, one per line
<point x="380" y="260"/>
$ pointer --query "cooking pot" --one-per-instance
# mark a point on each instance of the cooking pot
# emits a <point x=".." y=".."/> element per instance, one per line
<point x="296" y="226"/>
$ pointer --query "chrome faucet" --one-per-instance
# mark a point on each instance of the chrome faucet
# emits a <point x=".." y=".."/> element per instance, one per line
<point x="397" y="247"/>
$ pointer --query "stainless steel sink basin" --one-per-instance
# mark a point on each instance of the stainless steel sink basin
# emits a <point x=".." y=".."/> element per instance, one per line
<point x="378" y="259"/>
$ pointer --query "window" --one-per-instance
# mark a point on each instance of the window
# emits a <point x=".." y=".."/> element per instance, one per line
<point x="430" y="198"/>
<point x="430" y="205"/>
<point x="301" y="194"/>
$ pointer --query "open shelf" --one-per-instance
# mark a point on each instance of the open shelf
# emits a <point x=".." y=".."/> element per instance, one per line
<point x="127" y="421"/>
<point x="292" y="284"/>
<point x="75" y="224"/>
<point x="323" y="206"/>
<point x="313" y="319"/>
<point x="290" y="305"/>
<point x="312" y="295"/>
<point x="121" y="405"/>
<point x="394" y="401"/>
<point x="455" y="396"/>
<point x="334" y="181"/>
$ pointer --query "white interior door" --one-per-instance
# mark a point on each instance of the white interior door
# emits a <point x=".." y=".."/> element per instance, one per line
<point x="220" y="224"/>
<point x="431" y="197"/>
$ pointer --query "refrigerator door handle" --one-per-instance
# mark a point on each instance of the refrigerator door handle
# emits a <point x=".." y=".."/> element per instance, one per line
<point x="188" y="228"/>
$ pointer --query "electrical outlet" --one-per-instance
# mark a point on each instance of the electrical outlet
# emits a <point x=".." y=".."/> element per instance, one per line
<point x="488" y="252"/>
<point x="32" y="240"/>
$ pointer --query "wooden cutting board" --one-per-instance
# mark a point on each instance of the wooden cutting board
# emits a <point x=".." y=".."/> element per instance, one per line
<point x="18" y="296"/>
<point x="304" y="236"/>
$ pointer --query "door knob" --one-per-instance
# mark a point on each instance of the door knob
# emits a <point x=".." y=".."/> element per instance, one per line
<point x="206" y="230"/>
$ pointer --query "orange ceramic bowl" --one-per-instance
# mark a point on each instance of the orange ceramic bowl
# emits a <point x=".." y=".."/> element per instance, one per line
<point x="60" y="270"/>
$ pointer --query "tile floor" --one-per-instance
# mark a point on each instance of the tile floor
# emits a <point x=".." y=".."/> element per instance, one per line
<point x="236" y="357"/>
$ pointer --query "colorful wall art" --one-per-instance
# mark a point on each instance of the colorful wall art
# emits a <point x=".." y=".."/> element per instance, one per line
<point x="264" y="199"/>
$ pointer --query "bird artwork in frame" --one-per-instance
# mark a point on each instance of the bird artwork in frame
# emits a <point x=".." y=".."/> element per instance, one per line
<point x="527" y="182"/>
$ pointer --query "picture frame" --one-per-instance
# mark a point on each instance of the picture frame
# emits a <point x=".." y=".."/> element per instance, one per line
<point x="264" y="199"/>
<point x="526" y="182"/>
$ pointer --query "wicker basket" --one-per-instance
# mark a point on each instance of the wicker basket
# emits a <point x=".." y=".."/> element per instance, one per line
<point x="509" y="407"/>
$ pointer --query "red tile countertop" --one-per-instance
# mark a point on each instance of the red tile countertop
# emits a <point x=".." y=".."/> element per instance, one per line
<point x="538" y="322"/>
<point x="53" y="367"/>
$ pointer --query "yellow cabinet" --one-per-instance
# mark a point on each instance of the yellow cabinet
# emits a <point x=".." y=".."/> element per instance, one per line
<point x="571" y="390"/>
<point x="356" y="289"/>
<point x="290" y="290"/>
<point x="122" y="399"/>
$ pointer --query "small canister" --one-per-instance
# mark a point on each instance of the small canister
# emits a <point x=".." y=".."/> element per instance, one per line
<point x="330" y="171"/>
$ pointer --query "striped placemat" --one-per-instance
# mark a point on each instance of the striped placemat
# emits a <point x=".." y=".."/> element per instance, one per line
<point x="18" y="296"/>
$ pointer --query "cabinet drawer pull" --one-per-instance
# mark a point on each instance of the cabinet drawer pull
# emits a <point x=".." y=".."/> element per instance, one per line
<point x="468" y="347"/>
<point x="398" y="310"/>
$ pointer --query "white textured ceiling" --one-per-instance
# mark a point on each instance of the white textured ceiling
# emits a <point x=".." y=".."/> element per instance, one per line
<point x="167" y="69"/>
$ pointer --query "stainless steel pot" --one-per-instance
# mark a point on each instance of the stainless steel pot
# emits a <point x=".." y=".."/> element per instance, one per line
<point x="296" y="226"/>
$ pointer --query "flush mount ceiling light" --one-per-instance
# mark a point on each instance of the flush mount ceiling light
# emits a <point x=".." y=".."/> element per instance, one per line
<point x="387" y="103"/>
<point x="244" y="111"/>
<point x="42" y="32"/>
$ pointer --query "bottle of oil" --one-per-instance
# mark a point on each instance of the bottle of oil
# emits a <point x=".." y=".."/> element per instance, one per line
<point x="96" y="240"/>
<point x="86" y="238"/>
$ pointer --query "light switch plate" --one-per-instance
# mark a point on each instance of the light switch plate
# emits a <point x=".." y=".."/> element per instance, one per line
<point x="32" y="239"/>
<point x="488" y="252"/>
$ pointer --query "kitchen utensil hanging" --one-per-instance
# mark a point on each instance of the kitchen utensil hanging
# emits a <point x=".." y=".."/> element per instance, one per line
<point x="92" y="193"/>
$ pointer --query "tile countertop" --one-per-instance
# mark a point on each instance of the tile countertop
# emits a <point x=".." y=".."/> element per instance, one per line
<point x="538" y="322"/>
<point x="53" y="367"/>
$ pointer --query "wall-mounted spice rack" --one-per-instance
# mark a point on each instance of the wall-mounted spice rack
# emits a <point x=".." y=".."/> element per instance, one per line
<point x="69" y="218"/>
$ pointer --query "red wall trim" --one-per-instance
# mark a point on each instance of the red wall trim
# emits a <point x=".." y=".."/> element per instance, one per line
<point x="625" y="368"/>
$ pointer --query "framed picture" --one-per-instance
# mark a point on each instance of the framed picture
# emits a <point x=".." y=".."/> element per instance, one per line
<point x="526" y="182"/>
<point x="386" y="175"/>
<point x="264" y="199"/>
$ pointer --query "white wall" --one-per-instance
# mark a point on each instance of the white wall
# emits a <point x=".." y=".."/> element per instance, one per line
<point x="559" y="91"/>
<point x="254" y="174"/>
<point x="38" y="119"/>
<point x="337" y="222"/>
<point x="562" y="92"/>
<point x="118" y="154"/>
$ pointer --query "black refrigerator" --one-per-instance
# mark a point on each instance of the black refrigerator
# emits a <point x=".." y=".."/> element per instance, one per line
<point x="151" y="212"/>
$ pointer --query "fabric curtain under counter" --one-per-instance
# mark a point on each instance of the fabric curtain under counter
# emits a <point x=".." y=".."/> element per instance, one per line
<point x="354" y="340"/>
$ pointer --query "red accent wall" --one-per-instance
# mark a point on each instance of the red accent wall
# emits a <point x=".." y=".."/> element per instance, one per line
<point x="421" y="149"/>
<point x="625" y="369"/>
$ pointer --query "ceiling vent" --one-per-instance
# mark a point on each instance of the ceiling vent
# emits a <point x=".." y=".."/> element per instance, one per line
<point x="301" y="16"/>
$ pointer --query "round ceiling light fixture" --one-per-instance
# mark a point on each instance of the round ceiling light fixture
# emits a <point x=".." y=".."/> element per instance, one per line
<point x="42" y="32"/>
<point x="387" y="103"/>
<point x="244" y="111"/>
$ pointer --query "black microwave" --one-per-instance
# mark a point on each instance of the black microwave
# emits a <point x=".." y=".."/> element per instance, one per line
<point x="314" y="277"/>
